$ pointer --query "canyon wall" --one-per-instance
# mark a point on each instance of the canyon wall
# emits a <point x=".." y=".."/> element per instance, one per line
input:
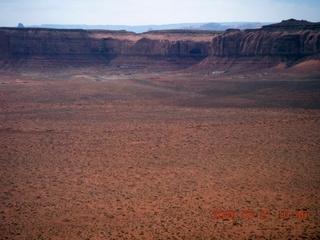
<point x="289" y="41"/>
<point x="48" y="43"/>
<point x="265" y="42"/>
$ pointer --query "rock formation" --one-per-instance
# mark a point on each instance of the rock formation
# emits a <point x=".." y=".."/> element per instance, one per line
<point x="289" y="41"/>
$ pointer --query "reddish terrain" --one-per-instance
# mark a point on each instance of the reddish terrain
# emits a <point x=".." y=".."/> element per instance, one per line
<point x="289" y="43"/>
<point x="216" y="148"/>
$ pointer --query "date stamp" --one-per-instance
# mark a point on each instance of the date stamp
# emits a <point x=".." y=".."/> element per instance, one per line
<point x="259" y="214"/>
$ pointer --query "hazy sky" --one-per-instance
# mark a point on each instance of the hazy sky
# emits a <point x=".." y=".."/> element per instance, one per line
<point x="144" y="12"/>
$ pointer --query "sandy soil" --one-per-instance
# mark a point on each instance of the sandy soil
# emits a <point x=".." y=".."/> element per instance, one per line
<point x="105" y="155"/>
<point x="160" y="35"/>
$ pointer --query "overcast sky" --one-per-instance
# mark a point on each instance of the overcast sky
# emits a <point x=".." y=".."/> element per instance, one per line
<point x="144" y="12"/>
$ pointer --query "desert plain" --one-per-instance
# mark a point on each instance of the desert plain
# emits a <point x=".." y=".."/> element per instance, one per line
<point x="127" y="153"/>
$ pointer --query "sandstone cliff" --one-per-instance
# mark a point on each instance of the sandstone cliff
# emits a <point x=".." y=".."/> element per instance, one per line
<point x="289" y="42"/>
<point x="267" y="42"/>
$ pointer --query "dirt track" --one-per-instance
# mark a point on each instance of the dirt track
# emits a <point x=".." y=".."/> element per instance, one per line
<point x="156" y="156"/>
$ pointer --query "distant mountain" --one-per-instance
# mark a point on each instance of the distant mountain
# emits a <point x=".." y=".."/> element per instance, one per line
<point x="144" y="28"/>
<point x="136" y="29"/>
<point x="228" y="25"/>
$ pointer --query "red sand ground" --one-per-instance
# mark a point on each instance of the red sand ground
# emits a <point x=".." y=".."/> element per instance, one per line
<point x="95" y="155"/>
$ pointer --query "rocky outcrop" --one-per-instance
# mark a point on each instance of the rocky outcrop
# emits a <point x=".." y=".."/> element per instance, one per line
<point x="265" y="42"/>
<point x="48" y="43"/>
<point x="293" y="25"/>
<point x="95" y="46"/>
<point x="289" y="41"/>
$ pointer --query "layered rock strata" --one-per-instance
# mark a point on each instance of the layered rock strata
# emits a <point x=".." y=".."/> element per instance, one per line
<point x="290" y="41"/>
